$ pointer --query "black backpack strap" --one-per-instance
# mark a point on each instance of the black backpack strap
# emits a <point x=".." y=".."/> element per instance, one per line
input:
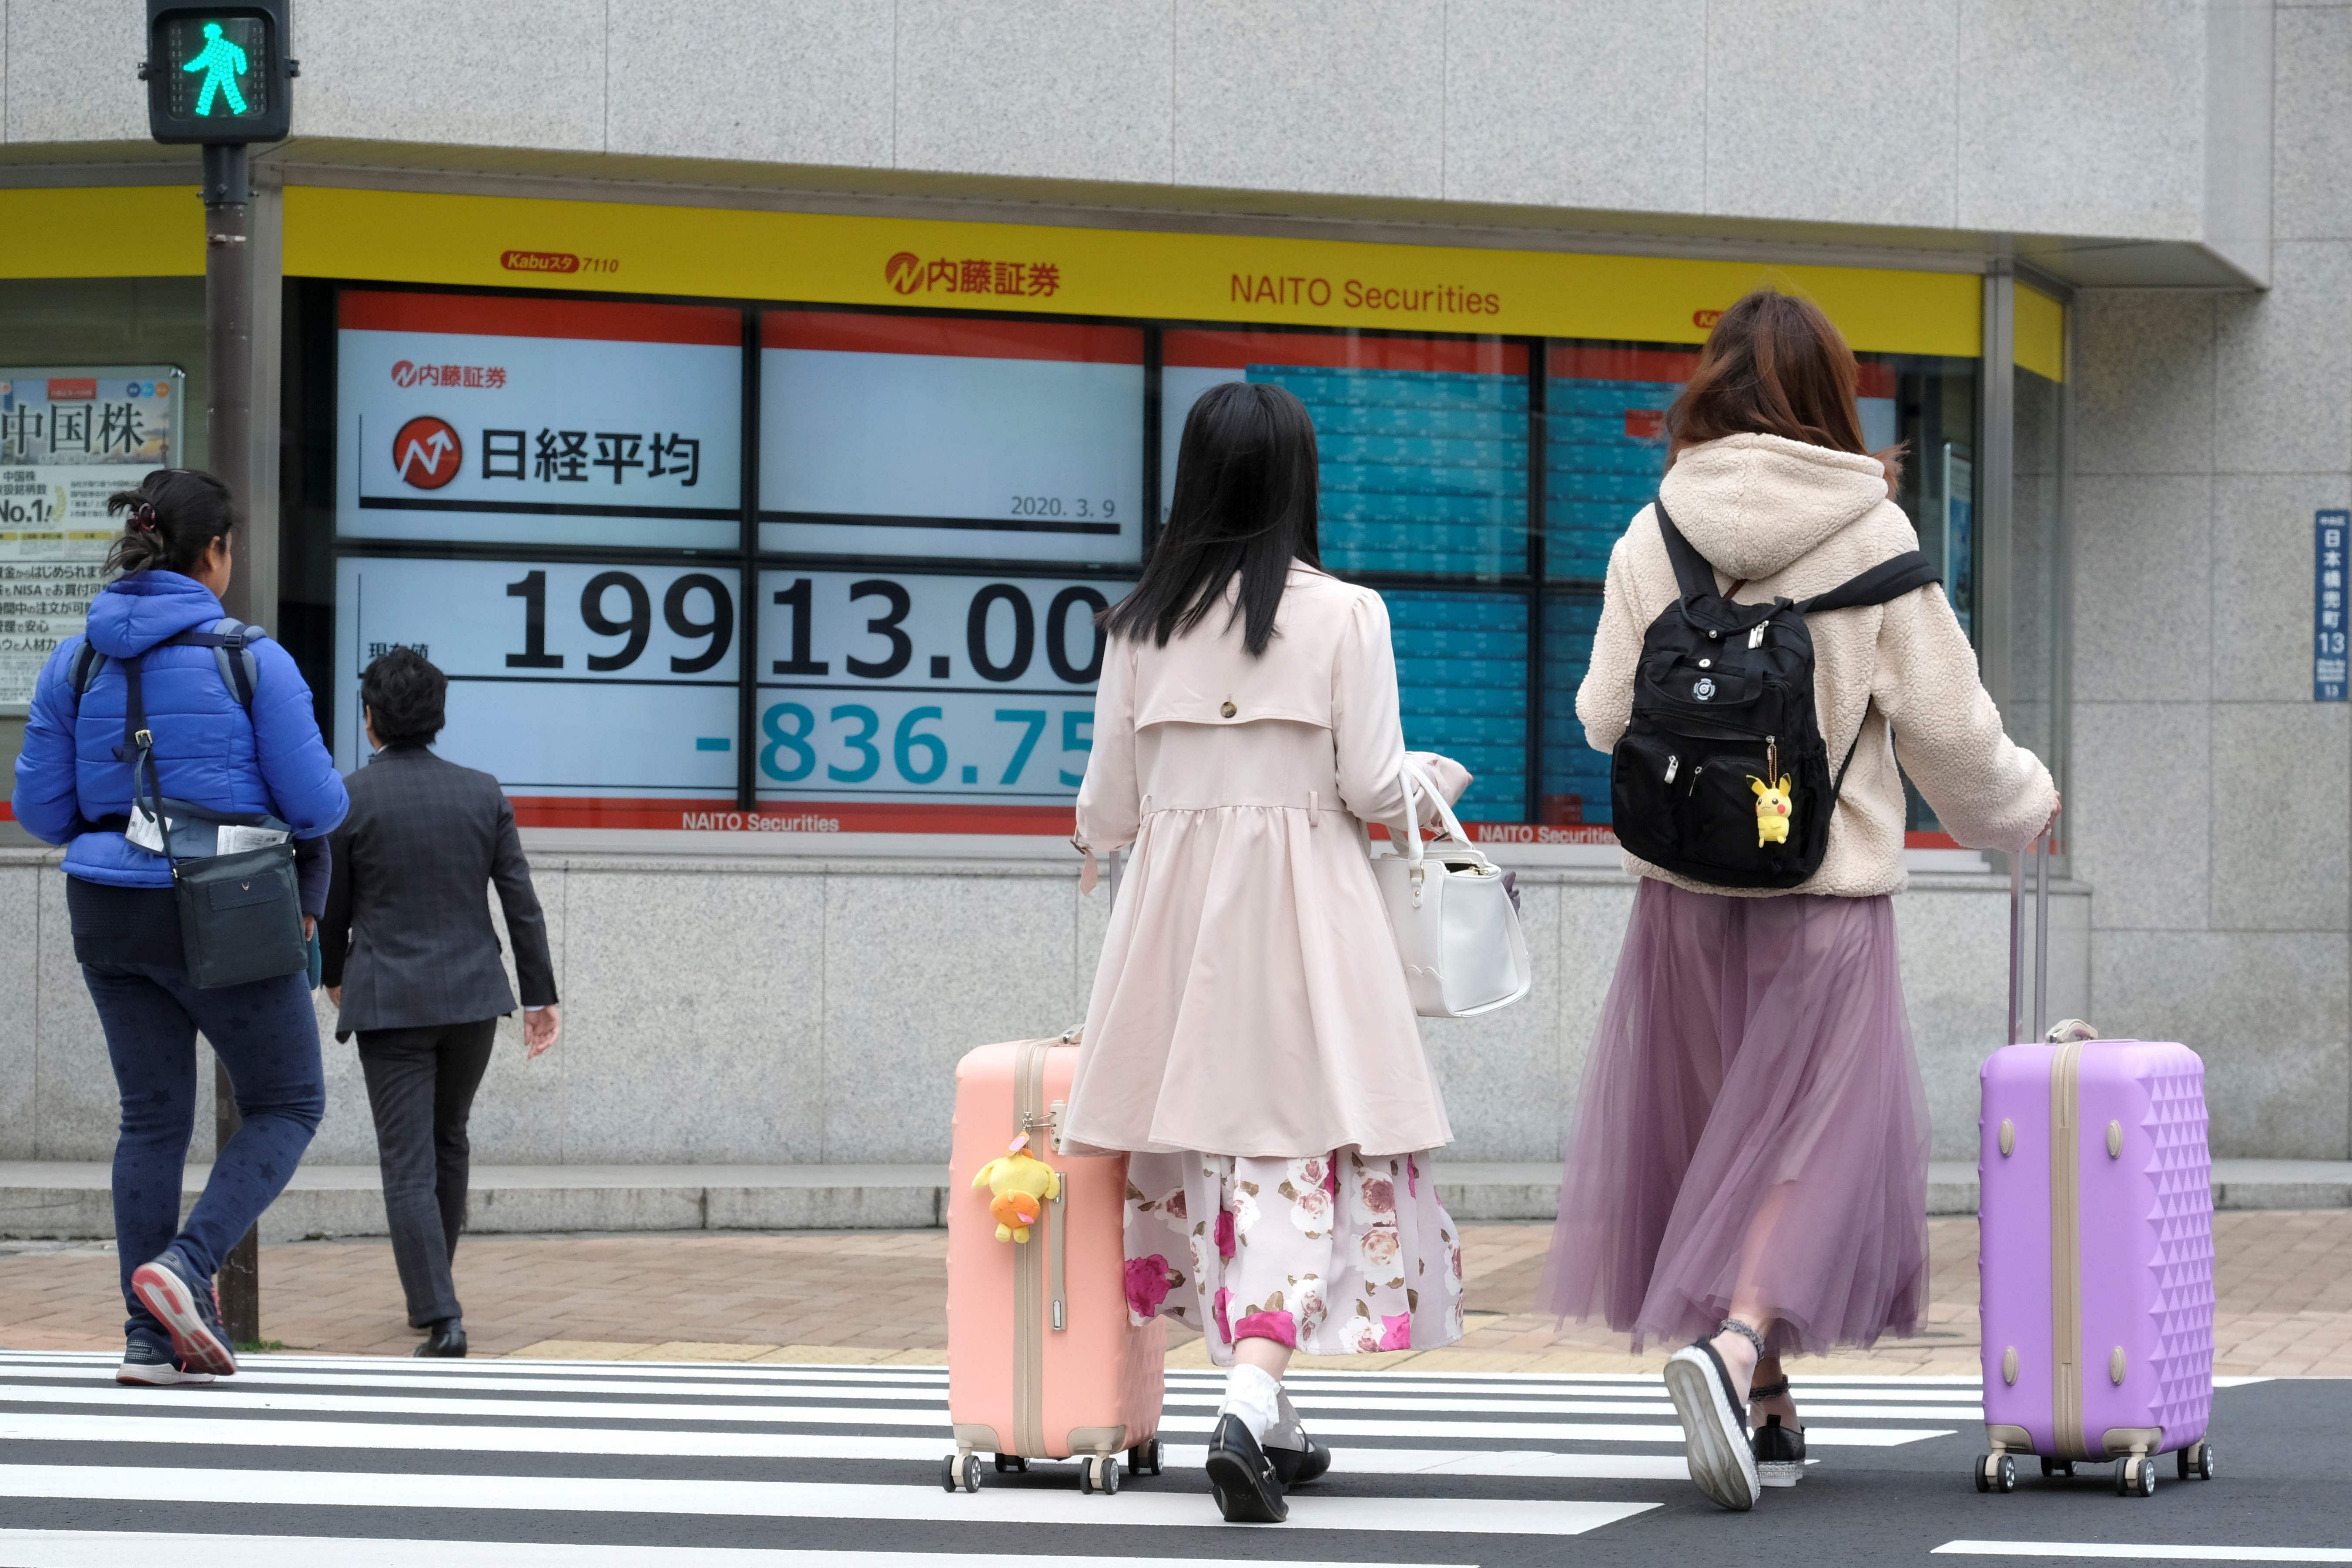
<point x="231" y="642"/>
<point x="86" y="666"/>
<point x="1888" y="580"/>
<point x="1692" y="572"/>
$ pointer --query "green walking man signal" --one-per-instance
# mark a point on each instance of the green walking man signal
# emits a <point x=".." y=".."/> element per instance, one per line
<point x="219" y="74"/>
<point x="222" y="63"/>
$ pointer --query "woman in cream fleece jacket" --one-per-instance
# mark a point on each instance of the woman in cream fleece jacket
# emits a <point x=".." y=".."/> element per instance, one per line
<point x="1750" y="1158"/>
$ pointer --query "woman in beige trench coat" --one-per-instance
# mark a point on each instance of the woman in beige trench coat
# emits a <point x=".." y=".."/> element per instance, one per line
<point x="1250" y="1041"/>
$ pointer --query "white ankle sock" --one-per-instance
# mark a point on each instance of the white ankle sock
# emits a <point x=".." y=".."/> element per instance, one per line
<point x="1253" y="1394"/>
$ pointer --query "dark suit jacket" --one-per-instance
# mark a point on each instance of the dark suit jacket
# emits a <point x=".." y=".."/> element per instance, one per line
<point x="408" y="933"/>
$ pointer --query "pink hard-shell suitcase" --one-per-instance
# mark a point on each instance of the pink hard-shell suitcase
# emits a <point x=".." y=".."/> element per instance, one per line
<point x="2095" y="1247"/>
<point x="1042" y="1360"/>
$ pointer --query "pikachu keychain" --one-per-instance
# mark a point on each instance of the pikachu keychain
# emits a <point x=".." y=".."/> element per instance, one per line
<point x="1773" y="804"/>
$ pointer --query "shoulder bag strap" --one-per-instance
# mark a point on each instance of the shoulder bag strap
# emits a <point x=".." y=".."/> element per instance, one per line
<point x="138" y="749"/>
<point x="1692" y="572"/>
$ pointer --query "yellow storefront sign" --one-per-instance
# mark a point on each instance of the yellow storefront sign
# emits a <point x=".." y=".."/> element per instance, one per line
<point x="412" y="238"/>
<point x="643" y="249"/>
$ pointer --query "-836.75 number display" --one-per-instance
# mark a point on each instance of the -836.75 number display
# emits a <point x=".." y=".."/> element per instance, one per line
<point x="921" y="686"/>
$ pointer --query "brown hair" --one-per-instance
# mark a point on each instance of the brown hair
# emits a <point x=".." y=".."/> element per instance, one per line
<point x="1774" y="366"/>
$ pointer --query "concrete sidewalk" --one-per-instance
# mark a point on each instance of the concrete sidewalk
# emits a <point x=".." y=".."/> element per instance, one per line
<point x="59" y="1200"/>
<point x="2283" y="1285"/>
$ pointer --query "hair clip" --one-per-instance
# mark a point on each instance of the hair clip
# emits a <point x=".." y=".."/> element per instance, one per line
<point x="143" y="517"/>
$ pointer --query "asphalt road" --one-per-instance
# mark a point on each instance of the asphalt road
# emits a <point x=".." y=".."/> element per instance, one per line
<point x="314" y="1460"/>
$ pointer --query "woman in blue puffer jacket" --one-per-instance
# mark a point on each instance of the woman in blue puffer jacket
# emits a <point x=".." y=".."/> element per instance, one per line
<point x="210" y="752"/>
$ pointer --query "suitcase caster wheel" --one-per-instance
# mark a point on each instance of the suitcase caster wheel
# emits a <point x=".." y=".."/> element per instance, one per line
<point x="2135" y="1477"/>
<point x="2058" y="1467"/>
<point x="960" y="1473"/>
<point x="1100" y="1474"/>
<point x="1995" y="1473"/>
<point x="2195" y="1462"/>
<point x="1011" y="1464"/>
<point x="1145" y="1459"/>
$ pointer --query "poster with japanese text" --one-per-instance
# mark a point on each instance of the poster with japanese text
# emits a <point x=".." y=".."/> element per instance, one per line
<point x="470" y="418"/>
<point x="69" y="437"/>
<point x="950" y="439"/>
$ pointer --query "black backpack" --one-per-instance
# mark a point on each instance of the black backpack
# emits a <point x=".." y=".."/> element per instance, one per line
<point x="1722" y="775"/>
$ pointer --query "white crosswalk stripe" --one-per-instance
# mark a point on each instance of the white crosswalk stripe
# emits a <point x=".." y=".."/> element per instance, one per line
<point x="356" y="1460"/>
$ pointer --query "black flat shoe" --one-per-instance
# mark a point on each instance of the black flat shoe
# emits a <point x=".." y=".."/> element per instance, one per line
<point x="443" y="1339"/>
<point x="1298" y="1467"/>
<point x="1249" y="1489"/>
<point x="1715" y="1426"/>
<point x="1779" y="1454"/>
<point x="1779" y="1450"/>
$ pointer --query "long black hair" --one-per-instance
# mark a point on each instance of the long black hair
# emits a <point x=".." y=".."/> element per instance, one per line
<point x="173" y="519"/>
<point x="1245" y="480"/>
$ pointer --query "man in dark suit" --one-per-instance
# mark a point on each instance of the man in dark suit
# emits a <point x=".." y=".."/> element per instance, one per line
<point x="411" y="960"/>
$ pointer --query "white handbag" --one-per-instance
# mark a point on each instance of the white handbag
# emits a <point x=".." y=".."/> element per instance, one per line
<point x="1456" y="929"/>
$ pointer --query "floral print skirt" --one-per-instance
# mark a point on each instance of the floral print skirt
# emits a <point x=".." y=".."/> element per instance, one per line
<point x="1333" y="1255"/>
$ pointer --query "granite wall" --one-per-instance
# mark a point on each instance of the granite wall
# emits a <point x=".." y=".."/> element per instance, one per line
<point x="774" y="1010"/>
<point x="2212" y="798"/>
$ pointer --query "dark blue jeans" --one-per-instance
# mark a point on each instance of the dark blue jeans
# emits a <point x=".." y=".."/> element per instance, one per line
<point x="267" y="1036"/>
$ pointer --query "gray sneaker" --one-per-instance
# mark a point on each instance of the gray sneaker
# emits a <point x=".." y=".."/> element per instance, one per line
<point x="189" y="1306"/>
<point x="148" y="1363"/>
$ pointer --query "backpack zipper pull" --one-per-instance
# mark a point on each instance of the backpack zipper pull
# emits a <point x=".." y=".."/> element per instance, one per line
<point x="1672" y="763"/>
<point x="1755" y="635"/>
<point x="1771" y="758"/>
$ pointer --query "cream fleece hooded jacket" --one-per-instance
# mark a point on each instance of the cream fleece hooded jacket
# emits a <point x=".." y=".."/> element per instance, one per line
<point x="1788" y="520"/>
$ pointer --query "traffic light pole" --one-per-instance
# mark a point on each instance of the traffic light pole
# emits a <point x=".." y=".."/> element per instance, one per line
<point x="228" y="376"/>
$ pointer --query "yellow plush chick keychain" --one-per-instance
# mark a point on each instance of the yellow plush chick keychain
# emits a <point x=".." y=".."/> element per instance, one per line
<point x="1022" y="1184"/>
<point x="1772" y="806"/>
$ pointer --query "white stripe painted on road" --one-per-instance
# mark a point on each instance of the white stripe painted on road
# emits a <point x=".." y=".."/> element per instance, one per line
<point x="787" y="1499"/>
<point x="385" y="1436"/>
<point x="1493" y="1431"/>
<point x="129" y="1549"/>
<point x="2138" y="1552"/>
<point x="262" y="1387"/>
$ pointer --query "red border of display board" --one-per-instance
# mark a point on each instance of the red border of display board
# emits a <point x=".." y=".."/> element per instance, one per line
<point x="809" y="819"/>
<point x="1606" y="362"/>
<point x="1205" y="348"/>
<point x="527" y="316"/>
<point x="950" y="337"/>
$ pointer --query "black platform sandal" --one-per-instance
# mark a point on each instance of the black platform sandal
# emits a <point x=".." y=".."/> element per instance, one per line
<point x="1715" y="1422"/>
<point x="1779" y="1450"/>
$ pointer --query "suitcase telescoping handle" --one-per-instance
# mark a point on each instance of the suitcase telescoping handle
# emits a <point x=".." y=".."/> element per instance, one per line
<point x="2040" y="853"/>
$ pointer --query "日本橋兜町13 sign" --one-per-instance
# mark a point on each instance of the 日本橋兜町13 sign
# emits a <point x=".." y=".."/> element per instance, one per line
<point x="2328" y="647"/>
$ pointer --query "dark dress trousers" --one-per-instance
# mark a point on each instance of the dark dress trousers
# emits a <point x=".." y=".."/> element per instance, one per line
<point x="408" y="937"/>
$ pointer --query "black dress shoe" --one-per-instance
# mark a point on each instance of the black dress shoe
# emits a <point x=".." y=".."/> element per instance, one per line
<point x="1248" y="1490"/>
<point x="445" y="1338"/>
<point x="1298" y="1467"/>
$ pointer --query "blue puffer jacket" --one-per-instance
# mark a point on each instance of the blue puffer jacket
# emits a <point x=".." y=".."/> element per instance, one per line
<point x="207" y="752"/>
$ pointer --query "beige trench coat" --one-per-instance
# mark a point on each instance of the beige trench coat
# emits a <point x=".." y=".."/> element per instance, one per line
<point x="1250" y="1000"/>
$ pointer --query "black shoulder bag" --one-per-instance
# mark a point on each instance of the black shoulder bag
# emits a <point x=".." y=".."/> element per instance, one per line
<point x="240" y="913"/>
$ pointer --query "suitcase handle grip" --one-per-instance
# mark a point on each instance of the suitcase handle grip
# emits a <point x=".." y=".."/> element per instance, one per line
<point x="1056" y="1260"/>
<point x="2040" y="853"/>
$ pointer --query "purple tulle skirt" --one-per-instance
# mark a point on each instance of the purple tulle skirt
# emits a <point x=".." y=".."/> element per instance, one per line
<point x="1751" y="1124"/>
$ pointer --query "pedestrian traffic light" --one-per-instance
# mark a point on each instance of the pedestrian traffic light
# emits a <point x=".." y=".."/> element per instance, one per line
<point x="217" y="73"/>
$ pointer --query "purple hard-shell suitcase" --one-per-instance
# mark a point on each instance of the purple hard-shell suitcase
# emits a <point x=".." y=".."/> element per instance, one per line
<point x="2096" y="1255"/>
